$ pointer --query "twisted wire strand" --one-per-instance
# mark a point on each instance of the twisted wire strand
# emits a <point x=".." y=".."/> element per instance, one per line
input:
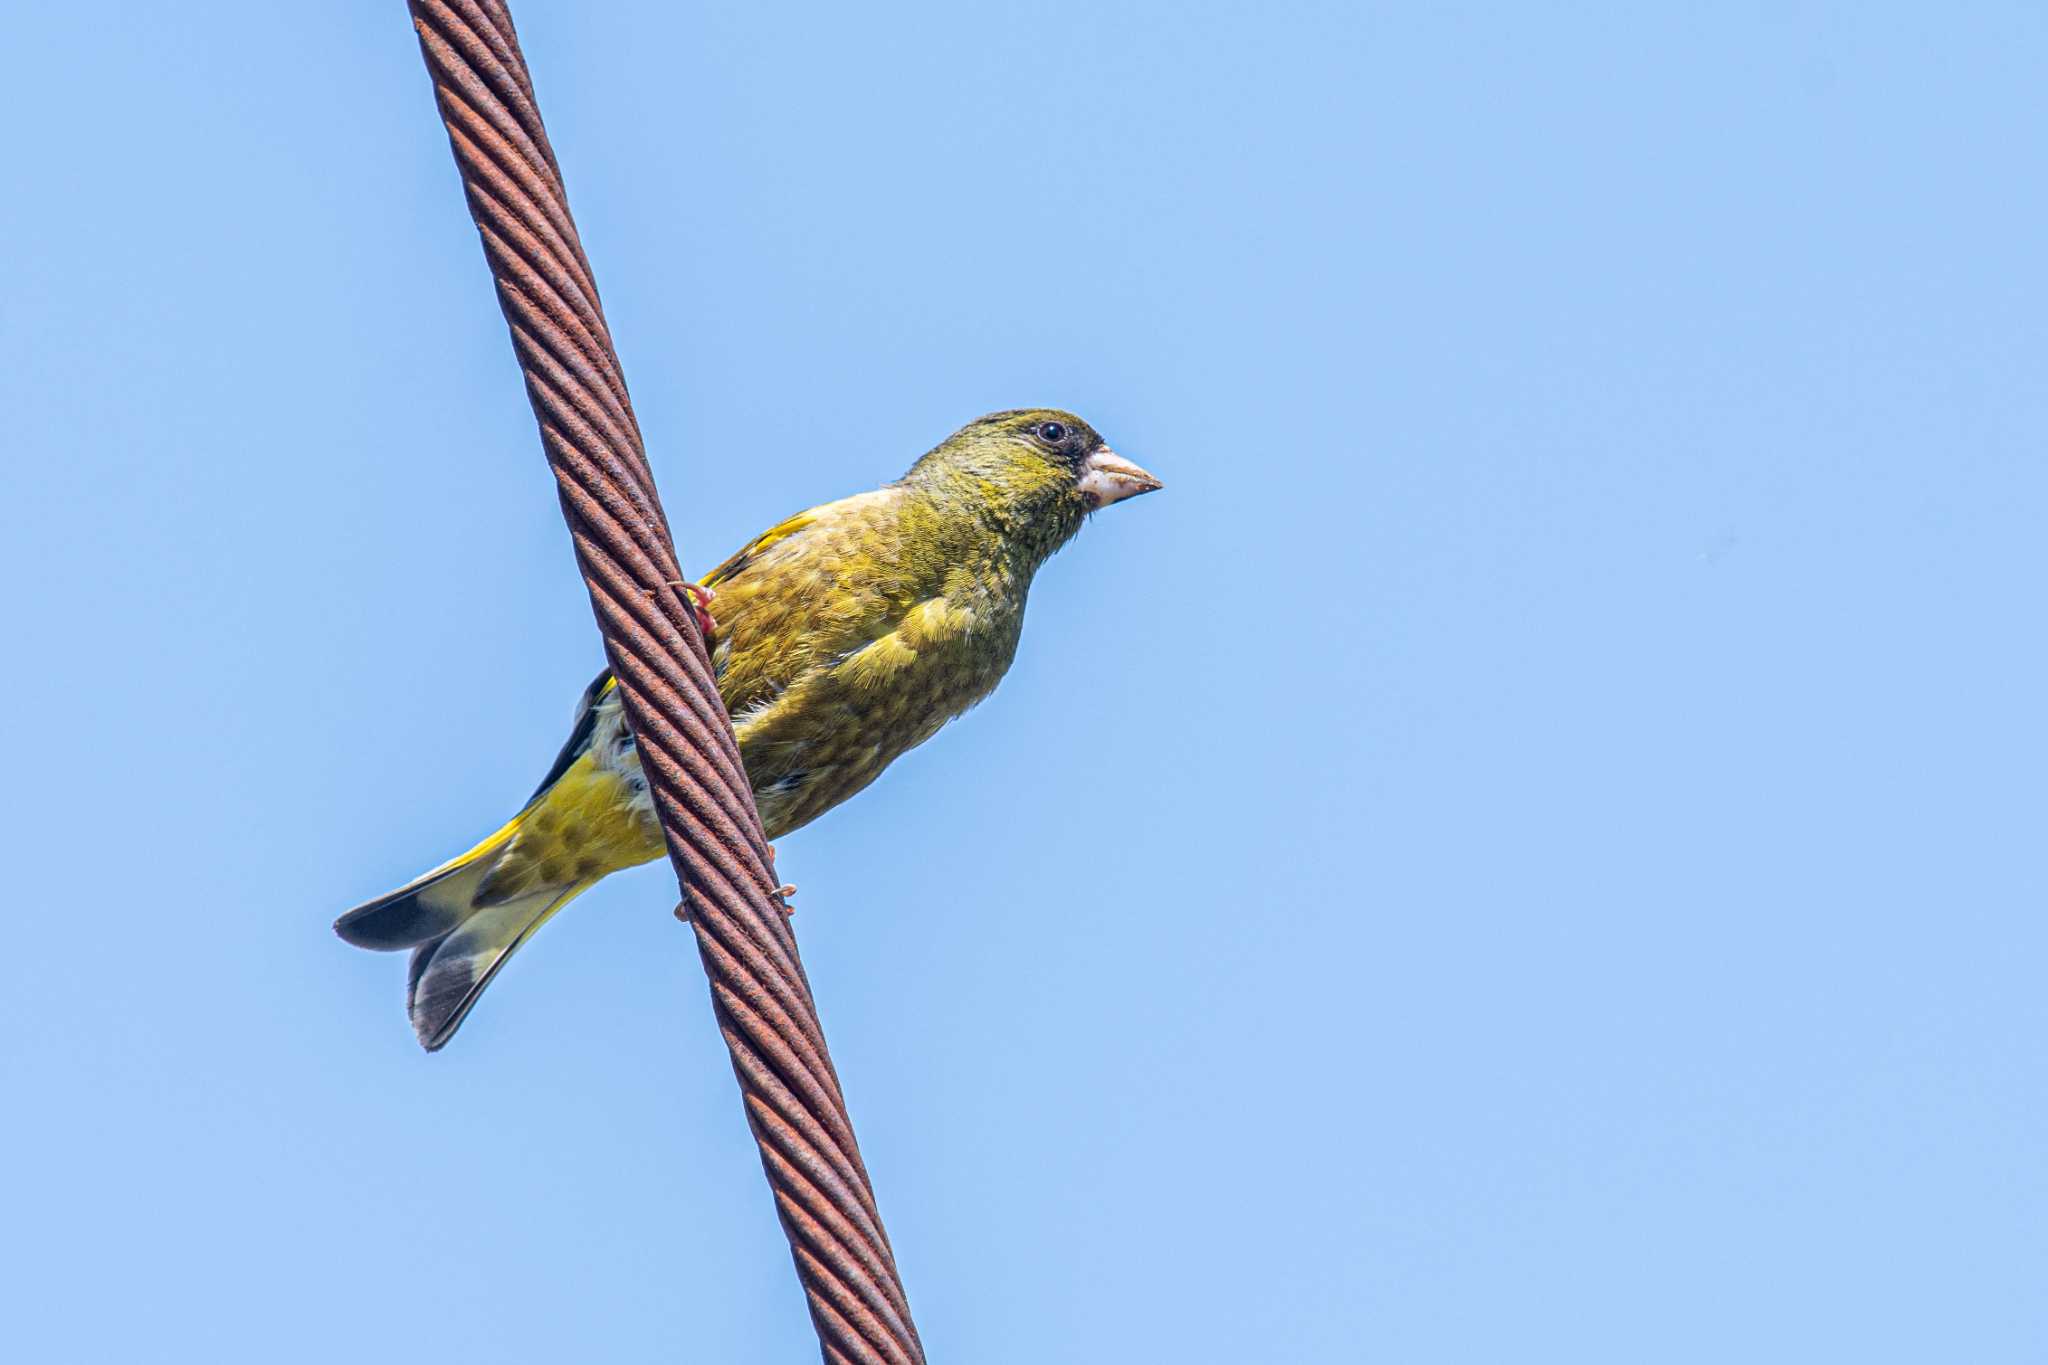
<point x="760" y="995"/>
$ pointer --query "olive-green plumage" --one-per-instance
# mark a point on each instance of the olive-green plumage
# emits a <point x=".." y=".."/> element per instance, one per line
<point x="844" y="637"/>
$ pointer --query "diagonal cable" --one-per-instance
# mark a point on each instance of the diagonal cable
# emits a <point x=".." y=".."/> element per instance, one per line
<point x="759" y="993"/>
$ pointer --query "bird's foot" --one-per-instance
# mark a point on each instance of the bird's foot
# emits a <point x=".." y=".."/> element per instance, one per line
<point x="701" y="599"/>
<point x="683" y="911"/>
<point x="781" y="894"/>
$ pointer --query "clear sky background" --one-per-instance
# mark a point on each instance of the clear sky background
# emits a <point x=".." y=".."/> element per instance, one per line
<point x="1529" y="849"/>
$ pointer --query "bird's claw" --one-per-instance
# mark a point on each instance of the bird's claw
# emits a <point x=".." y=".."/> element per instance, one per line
<point x="781" y="894"/>
<point x="701" y="599"/>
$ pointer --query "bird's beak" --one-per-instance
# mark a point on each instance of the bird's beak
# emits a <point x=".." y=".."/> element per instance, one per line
<point x="1107" y="477"/>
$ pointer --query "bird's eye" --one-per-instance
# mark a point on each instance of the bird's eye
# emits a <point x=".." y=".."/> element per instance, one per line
<point x="1052" y="433"/>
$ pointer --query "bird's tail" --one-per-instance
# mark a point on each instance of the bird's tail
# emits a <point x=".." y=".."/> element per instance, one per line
<point x="463" y="921"/>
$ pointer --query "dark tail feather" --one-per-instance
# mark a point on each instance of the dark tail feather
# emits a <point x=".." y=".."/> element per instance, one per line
<point x="449" y="973"/>
<point x="461" y="929"/>
<point x="418" y="913"/>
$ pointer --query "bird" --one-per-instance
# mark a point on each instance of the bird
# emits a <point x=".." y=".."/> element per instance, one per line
<point x="841" y="638"/>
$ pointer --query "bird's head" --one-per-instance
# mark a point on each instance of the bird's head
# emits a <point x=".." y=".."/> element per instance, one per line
<point x="1035" y="473"/>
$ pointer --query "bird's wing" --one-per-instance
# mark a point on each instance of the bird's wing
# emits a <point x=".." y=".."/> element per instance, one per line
<point x="793" y="602"/>
<point x="802" y="593"/>
<point x="601" y="686"/>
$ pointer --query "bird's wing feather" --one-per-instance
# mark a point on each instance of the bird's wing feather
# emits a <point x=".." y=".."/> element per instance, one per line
<point x="579" y="732"/>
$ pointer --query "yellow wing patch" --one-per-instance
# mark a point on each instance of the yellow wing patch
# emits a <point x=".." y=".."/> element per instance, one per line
<point x="748" y="552"/>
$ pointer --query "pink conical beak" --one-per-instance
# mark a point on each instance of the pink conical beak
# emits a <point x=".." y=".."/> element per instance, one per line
<point x="1107" y="477"/>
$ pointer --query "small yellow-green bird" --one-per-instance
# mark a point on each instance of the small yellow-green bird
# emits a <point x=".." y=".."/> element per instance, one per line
<point x="843" y="637"/>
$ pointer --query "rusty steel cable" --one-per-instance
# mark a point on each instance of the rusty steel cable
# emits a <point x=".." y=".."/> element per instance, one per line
<point x="759" y="993"/>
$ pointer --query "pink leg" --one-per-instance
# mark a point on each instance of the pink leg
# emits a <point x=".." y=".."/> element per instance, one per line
<point x="701" y="599"/>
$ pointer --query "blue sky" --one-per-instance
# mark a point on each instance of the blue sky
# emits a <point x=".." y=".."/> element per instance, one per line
<point x="1528" y="849"/>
